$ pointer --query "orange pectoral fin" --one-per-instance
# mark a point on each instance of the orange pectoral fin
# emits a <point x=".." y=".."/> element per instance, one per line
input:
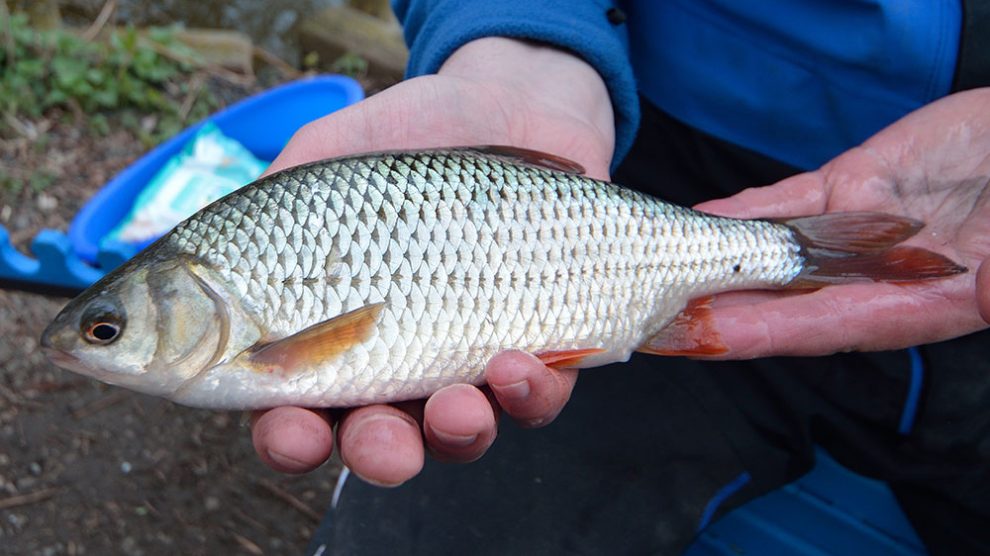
<point x="692" y="332"/>
<point x="316" y="344"/>
<point x="567" y="359"/>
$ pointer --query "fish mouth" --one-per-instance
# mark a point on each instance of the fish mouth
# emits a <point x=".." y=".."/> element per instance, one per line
<point x="75" y="364"/>
<point x="70" y="362"/>
<point x="46" y="337"/>
<point x="51" y="346"/>
<point x="59" y="357"/>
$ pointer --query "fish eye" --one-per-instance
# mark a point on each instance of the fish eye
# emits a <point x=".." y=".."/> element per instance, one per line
<point x="102" y="333"/>
<point x="102" y="322"/>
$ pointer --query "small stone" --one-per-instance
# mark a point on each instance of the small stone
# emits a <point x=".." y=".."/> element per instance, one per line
<point x="130" y="546"/>
<point x="47" y="203"/>
<point x="35" y="468"/>
<point x="148" y="123"/>
<point x="221" y="420"/>
<point x="17" y="520"/>
<point x="212" y="503"/>
<point x="125" y="467"/>
<point x="27" y="344"/>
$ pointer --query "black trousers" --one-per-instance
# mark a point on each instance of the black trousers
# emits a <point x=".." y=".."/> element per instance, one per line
<point x="633" y="462"/>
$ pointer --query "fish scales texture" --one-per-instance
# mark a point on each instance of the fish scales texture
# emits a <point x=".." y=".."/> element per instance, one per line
<point x="470" y="254"/>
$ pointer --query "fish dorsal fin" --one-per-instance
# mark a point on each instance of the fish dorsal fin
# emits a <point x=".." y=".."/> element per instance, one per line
<point x="317" y="343"/>
<point x="532" y="158"/>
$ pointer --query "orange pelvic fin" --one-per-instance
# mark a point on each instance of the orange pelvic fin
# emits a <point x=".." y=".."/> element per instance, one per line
<point x="861" y="246"/>
<point x="567" y="359"/>
<point x="691" y="333"/>
<point x="316" y="344"/>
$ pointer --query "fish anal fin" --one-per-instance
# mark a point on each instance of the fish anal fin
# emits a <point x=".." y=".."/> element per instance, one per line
<point x="566" y="359"/>
<point x="691" y="333"/>
<point x="532" y="158"/>
<point x="318" y="343"/>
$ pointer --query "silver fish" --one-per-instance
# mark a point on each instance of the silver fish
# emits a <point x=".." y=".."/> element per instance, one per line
<point x="387" y="276"/>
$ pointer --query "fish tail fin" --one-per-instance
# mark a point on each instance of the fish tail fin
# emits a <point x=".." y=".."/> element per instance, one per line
<point x="863" y="246"/>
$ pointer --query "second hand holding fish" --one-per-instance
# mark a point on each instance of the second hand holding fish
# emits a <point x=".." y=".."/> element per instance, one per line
<point x="932" y="165"/>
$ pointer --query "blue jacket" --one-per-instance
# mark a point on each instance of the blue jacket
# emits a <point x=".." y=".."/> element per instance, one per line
<point x="797" y="80"/>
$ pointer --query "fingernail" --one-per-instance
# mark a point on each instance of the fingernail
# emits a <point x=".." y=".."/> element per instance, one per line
<point x="365" y="422"/>
<point x="454" y="440"/>
<point x="286" y="461"/>
<point x="378" y="483"/>
<point x="515" y="391"/>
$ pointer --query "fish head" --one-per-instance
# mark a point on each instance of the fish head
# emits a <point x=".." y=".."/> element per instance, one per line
<point x="148" y="327"/>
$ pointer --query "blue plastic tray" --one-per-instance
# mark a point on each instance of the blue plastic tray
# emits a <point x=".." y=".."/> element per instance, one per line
<point x="263" y="123"/>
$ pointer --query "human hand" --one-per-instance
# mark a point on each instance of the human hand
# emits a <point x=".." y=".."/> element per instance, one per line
<point x="490" y="92"/>
<point x="934" y="166"/>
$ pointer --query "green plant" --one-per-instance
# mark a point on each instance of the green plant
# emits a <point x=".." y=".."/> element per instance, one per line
<point x="350" y="64"/>
<point x="14" y="184"/>
<point x="126" y="70"/>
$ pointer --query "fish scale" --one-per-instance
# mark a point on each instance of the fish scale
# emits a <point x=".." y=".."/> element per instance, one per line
<point x="387" y="276"/>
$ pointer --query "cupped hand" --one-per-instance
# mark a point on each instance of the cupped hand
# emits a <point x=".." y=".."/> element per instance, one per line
<point x="934" y="166"/>
<point x="386" y="444"/>
<point x="490" y="92"/>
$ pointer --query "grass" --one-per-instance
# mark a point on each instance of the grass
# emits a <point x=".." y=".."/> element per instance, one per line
<point x="148" y="77"/>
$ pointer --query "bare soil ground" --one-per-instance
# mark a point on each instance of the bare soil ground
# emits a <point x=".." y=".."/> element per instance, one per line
<point x="91" y="469"/>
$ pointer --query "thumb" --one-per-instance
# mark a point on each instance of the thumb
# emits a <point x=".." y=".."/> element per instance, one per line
<point x="802" y="194"/>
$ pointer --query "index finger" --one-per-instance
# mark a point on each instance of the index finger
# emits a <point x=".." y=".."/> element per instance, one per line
<point x="840" y="318"/>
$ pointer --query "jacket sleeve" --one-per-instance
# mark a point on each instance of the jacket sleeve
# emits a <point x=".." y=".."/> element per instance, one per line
<point x="434" y="29"/>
